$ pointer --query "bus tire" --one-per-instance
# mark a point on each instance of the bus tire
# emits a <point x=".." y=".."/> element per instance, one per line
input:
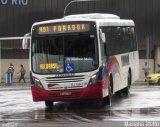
<point x="158" y="82"/>
<point x="119" y="93"/>
<point x="126" y="91"/>
<point x="107" y="100"/>
<point x="49" y="104"/>
<point x="129" y="78"/>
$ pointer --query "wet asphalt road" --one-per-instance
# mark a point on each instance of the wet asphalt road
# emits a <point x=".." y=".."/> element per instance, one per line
<point x="18" y="110"/>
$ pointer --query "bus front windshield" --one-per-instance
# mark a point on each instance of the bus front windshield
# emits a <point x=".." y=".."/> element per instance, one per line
<point x="64" y="54"/>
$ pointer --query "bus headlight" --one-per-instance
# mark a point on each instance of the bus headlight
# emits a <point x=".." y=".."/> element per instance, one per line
<point x="93" y="80"/>
<point x="38" y="83"/>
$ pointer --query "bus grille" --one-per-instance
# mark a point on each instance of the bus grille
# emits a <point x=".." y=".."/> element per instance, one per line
<point x="64" y="80"/>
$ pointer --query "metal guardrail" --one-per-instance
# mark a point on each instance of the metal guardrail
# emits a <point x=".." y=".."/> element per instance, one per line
<point x="10" y="38"/>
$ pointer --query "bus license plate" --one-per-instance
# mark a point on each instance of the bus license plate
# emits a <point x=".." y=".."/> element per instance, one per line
<point x="65" y="93"/>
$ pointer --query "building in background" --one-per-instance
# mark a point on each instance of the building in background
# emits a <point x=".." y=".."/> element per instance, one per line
<point x="17" y="17"/>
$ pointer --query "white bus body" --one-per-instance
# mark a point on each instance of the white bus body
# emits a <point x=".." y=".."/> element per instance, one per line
<point x="61" y="69"/>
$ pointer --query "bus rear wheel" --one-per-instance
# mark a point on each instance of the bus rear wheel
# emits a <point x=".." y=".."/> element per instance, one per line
<point x="158" y="82"/>
<point x="126" y="91"/>
<point x="49" y="104"/>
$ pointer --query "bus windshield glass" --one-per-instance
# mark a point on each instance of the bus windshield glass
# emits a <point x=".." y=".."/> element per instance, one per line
<point x="64" y="53"/>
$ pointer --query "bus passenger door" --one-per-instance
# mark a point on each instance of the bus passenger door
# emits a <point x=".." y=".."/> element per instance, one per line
<point x="103" y="69"/>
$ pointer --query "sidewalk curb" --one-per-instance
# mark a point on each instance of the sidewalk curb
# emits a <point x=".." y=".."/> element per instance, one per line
<point x="14" y="86"/>
<point x="14" y="89"/>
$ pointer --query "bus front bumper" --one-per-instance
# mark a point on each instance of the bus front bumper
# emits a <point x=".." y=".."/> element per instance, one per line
<point x="90" y="92"/>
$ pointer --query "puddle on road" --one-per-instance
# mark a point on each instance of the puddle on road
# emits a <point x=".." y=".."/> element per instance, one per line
<point x="18" y="105"/>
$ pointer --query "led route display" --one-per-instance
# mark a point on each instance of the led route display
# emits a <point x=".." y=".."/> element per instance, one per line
<point x="63" y="28"/>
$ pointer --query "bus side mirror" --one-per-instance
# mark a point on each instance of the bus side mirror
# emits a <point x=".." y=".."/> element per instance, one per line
<point x="102" y="36"/>
<point x="26" y="41"/>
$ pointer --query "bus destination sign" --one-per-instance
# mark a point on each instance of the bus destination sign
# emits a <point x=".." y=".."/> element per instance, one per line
<point x="63" y="28"/>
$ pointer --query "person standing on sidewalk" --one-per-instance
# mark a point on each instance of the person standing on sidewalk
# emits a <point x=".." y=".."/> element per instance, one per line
<point x="146" y="69"/>
<point x="11" y="70"/>
<point x="22" y="73"/>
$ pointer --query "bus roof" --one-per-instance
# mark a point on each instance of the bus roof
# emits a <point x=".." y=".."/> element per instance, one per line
<point x="100" y="18"/>
<point x="93" y="16"/>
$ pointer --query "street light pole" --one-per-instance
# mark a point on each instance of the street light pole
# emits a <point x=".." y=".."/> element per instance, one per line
<point x="73" y="1"/>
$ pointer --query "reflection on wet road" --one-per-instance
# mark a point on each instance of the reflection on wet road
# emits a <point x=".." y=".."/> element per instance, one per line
<point x="143" y="104"/>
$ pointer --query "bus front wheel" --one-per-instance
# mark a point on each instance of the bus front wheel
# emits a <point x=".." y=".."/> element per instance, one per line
<point x="107" y="100"/>
<point x="49" y="104"/>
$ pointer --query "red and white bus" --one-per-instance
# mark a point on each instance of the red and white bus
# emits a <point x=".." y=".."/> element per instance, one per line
<point x="79" y="57"/>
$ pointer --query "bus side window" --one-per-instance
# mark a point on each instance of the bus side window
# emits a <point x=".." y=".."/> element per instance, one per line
<point x="130" y="38"/>
<point x="103" y="47"/>
<point x="107" y="31"/>
<point x="103" y="53"/>
<point x="134" y="39"/>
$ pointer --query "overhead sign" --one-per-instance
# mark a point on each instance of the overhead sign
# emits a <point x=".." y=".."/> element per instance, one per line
<point x="63" y="28"/>
<point x="14" y="2"/>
